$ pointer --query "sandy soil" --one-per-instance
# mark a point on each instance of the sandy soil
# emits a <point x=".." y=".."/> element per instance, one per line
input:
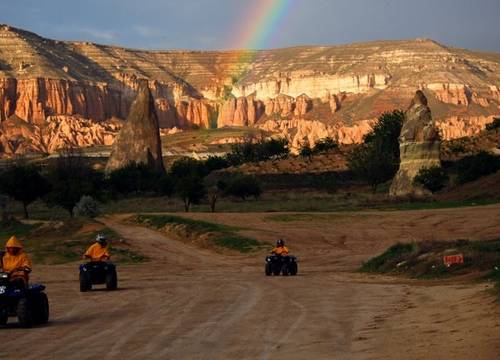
<point x="189" y="303"/>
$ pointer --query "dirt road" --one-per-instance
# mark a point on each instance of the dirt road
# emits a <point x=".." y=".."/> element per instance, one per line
<point x="189" y="303"/>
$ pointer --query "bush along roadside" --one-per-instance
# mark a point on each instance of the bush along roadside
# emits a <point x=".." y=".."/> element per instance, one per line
<point x="201" y="233"/>
<point x="440" y="259"/>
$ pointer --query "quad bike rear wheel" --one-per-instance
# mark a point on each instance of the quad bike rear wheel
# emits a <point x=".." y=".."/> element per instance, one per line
<point x="4" y="317"/>
<point x="293" y="269"/>
<point x="268" y="270"/>
<point x="41" y="308"/>
<point x="85" y="284"/>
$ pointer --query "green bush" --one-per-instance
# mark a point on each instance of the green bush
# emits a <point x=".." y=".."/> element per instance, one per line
<point x="191" y="189"/>
<point x="255" y="151"/>
<point x="71" y="176"/>
<point x="87" y="207"/>
<point x="493" y="125"/>
<point x="24" y="183"/>
<point x="377" y="160"/>
<point x="243" y="186"/>
<point x="473" y="167"/>
<point x="134" y="178"/>
<point x="432" y="179"/>
<point x="325" y="145"/>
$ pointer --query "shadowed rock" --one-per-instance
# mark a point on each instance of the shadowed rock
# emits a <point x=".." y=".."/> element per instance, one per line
<point x="139" y="140"/>
<point x="419" y="148"/>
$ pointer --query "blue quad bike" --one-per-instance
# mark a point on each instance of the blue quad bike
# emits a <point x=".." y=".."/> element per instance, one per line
<point x="284" y="265"/>
<point x="98" y="273"/>
<point x="30" y="305"/>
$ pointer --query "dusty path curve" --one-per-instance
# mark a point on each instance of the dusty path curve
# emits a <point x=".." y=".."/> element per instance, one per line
<point x="189" y="303"/>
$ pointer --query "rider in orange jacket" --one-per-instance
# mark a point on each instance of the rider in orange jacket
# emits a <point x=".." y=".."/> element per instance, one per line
<point x="99" y="251"/>
<point x="16" y="262"/>
<point x="280" y="248"/>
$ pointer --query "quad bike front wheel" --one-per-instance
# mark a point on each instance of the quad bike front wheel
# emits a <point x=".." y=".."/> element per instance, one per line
<point x="25" y="313"/>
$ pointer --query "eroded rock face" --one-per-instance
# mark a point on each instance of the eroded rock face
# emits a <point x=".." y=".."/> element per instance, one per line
<point x="343" y="87"/>
<point x="139" y="140"/>
<point x="58" y="132"/>
<point x="419" y="144"/>
<point x="300" y="132"/>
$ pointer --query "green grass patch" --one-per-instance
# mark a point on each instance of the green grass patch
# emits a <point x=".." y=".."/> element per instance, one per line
<point x="65" y="241"/>
<point x="195" y="226"/>
<point x="14" y="227"/>
<point x="425" y="259"/>
<point x="220" y="236"/>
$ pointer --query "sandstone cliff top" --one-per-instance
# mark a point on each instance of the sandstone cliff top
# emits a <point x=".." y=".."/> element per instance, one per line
<point x="24" y="54"/>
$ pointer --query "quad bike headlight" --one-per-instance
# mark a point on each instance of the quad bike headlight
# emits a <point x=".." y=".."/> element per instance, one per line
<point x="3" y="289"/>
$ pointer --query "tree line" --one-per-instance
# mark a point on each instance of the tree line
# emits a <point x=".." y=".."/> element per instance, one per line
<point x="70" y="177"/>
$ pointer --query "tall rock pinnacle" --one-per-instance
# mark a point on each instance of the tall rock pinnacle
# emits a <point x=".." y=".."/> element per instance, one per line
<point x="419" y="147"/>
<point x="139" y="140"/>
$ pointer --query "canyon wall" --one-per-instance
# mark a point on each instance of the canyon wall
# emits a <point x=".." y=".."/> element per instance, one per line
<point x="79" y="93"/>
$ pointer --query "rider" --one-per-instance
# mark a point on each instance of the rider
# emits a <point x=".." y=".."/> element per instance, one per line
<point x="98" y="251"/>
<point x="280" y="248"/>
<point x="16" y="262"/>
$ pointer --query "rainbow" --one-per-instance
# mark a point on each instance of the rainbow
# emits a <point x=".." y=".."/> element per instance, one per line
<point x="264" y="21"/>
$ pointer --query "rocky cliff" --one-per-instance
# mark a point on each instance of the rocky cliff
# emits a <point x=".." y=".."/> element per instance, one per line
<point x="419" y="145"/>
<point x="139" y="140"/>
<point x="302" y="92"/>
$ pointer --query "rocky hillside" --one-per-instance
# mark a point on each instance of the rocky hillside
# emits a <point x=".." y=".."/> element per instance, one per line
<point x="56" y="93"/>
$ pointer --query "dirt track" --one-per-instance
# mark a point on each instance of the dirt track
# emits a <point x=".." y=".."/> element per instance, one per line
<point x="189" y="303"/>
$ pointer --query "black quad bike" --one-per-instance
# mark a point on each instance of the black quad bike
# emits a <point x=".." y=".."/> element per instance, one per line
<point x="98" y="273"/>
<point x="30" y="305"/>
<point x="285" y="265"/>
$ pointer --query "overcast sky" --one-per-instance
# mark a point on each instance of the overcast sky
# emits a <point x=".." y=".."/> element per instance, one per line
<point x="211" y="24"/>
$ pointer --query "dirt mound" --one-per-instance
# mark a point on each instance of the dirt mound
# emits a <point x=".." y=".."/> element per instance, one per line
<point x="429" y="259"/>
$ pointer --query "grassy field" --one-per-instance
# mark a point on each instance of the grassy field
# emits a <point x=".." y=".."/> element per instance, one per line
<point x="205" y="234"/>
<point x="424" y="260"/>
<point x="280" y="201"/>
<point x="65" y="241"/>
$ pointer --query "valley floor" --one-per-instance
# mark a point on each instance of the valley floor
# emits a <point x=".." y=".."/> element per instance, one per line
<point x="189" y="303"/>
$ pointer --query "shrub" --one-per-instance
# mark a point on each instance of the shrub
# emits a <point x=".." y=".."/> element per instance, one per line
<point x="87" y="207"/>
<point x="493" y="125"/>
<point x="255" y="151"/>
<point x="243" y="186"/>
<point x="188" y="167"/>
<point x="473" y="167"/>
<point x="306" y="151"/>
<point x="134" y="178"/>
<point x="325" y="145"/>
<point x="24" y="183"/>
<point x="191" y="190"/>
<point x="72" y="177"/>
<point x="377" y="160"/>
<point x="432" y="179"/>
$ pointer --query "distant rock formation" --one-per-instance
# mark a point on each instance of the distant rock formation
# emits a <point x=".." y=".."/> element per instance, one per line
<point x="340" y="88"/>
<point x="139" y="140"/>
<point x="419" y="144"/>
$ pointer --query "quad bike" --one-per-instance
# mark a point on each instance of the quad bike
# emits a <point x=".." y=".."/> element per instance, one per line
<point x="30" y="304"/>
<point x="97" y="273"/>
<point x="285" y="265"/>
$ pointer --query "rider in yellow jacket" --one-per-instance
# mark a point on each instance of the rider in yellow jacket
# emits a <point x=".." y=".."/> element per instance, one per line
<point x="99" y="251"/>
<point x="15" y="261"/>
<point x="280" y="248"/>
